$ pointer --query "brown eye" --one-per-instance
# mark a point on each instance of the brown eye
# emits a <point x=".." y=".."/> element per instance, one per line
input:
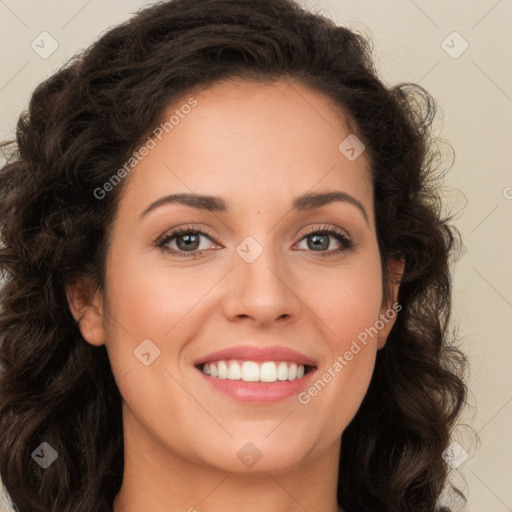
<point x="188" y="241"/>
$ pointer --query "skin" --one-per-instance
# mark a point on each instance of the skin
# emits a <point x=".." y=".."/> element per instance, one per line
<point x="257" y="146"/>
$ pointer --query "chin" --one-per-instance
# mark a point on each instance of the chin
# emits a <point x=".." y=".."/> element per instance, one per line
<point x="255" y="456"/>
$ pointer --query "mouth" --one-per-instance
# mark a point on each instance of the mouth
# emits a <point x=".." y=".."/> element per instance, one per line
<point x="255" y="371"/>
<point x="252" y="373"/>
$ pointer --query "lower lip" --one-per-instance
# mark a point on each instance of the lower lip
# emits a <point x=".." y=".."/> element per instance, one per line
<point x="259" y="391"/>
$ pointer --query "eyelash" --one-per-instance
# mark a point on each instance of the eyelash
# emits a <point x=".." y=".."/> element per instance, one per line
<point x="324" y="230"/>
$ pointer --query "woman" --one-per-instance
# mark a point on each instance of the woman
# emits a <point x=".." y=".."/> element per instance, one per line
<point x="227" y="282"/>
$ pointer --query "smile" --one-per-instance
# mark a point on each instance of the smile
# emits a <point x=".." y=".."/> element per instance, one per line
<point x="252" y="371"/>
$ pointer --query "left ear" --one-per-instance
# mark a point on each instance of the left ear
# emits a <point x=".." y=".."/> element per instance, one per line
<point x="389" y="312"/>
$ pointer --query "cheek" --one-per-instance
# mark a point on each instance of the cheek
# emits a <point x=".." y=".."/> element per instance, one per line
<point x="148" y="306"/>
<point x="148" y="299"/>
<point x="343" y="379"/>
<point x="349" y="305"/>
<point x="152" y="310"/>
<point x="349" y="300"/>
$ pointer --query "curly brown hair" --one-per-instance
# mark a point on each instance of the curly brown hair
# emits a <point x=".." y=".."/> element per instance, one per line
<point x="57" y="388"/>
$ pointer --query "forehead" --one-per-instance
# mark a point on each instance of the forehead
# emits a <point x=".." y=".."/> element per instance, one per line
<point x="247" y="142"/>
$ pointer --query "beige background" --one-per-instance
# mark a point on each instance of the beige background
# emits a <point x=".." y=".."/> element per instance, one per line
<point x="474" y="92"/>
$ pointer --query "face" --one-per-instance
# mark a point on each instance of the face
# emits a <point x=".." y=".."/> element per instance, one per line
<point x="257" y="273"/>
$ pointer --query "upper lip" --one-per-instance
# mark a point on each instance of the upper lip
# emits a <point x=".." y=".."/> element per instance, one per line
<point x="255" y="353"/>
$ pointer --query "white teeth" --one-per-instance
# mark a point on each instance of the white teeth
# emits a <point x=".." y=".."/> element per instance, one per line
<point x="222" y="369"/>
<point x="282" y="371"/>
<point x="250" y="371"/>
<point x="234" y="372"/>
<point x="268" y="372"/>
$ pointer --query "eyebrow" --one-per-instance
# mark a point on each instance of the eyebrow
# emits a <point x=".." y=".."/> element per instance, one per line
<point x="305" y="202"/>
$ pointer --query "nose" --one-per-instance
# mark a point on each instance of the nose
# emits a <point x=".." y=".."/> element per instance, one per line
<point x="261" y="290"/>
